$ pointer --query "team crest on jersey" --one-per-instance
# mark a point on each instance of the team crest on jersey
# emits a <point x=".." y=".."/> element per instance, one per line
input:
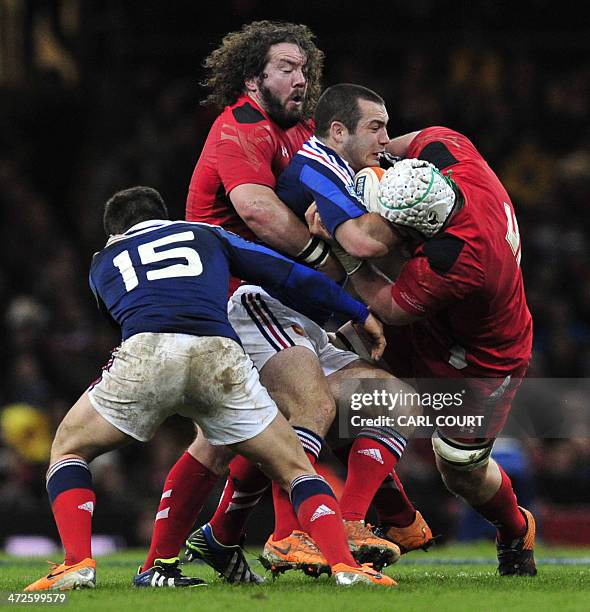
<point x="298" y="329"/>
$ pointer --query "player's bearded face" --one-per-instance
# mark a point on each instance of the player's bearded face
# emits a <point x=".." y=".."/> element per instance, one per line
<point x="283" y="84"/>
<point x="281" y="109"/>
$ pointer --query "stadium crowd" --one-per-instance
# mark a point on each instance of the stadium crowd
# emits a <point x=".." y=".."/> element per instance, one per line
<point x="66" y="144"/>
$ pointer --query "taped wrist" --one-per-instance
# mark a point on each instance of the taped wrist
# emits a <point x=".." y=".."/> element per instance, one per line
<point x="348" y="262"/>
<point x="314" y="253"/>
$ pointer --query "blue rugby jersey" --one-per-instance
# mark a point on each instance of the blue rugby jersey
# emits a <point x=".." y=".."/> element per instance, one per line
<point x="173" y="276"/>
<point x="317" y="173"/>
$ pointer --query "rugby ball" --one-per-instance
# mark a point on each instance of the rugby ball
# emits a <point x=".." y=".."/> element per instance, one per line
<point x="366" y="185"/>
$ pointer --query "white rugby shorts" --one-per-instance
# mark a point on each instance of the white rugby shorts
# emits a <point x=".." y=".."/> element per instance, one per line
<point x="208" y="379"/>
<point x="266" y="326"/>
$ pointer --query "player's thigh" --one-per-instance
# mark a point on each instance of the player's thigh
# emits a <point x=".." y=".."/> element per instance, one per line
<point x="278" y="452"/>
<point x="478" y="407"/>
<point x="362" y="377"/>
<point x="355" y="370"/>
<point x="84" y="432"/>
<point x="215" y="458"/>
<point x="296" y="382"/>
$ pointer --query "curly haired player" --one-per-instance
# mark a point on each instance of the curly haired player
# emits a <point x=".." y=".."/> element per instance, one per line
<point x="267" y="75"/>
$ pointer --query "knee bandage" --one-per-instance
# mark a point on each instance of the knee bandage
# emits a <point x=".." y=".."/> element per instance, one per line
<point x="461" y="455"/>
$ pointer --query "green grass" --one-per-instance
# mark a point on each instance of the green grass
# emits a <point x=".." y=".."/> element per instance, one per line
<point x="454" y="578"/>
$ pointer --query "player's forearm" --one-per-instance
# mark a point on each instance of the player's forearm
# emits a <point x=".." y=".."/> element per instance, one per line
<point x="276" y="226"/>
<point x="272" y="222"/>
<point x="366" y="237"/>
<point x="375" y="290"/>
<point x="399" y="146"/>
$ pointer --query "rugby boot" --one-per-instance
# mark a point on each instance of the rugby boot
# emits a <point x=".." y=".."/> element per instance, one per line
<point x="416" y="535"/>
<point x="346" y="575"/>
<point x="517" y="558"/>
<point x="229" y="561"/>
<point x="165" y="573"/>
<point x="64" y="577"/>
<point x="296" y="551"/>
<point x="366" y="547"/>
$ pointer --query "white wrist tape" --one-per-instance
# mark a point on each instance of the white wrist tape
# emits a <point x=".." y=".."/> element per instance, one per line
<point x="314" y="253"/>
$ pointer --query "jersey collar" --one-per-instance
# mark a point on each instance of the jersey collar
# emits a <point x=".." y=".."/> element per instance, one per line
<point x="138" y="227"/>
<point x="316" y="142"/>
<point x="246" y="98"/>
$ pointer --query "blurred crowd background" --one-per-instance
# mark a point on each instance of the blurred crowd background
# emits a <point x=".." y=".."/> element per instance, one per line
<point x="99" y="95"/>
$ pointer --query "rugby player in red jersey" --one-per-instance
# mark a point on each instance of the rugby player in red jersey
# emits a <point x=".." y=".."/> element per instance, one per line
<point x="460" y="304"/>
<point x="267" y="78"/>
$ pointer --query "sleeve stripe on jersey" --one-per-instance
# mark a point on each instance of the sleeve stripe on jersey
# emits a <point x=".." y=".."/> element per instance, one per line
<point x="314" y="152"/>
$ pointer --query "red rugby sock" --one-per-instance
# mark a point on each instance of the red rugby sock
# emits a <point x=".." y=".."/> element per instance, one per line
<point x="392" y="504"/>
<point x="186" y="488"/>
<point x="70" y="490"/>
<point x="502" y="511"/>
<point x="319" y="516"/>
<point x="369" y="462"/>
<point x="286" y="521"/>
<point x="245" y="486"/>
<point x="73" y="511"/>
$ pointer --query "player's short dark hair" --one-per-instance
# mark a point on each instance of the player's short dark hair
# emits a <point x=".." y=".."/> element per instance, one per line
<point x="340" y="103"/>
<point x="243" y="55"/>
<point x="131" y="206"/>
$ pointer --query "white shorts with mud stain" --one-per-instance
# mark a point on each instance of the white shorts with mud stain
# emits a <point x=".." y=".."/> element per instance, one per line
<point x="208" y="379"/>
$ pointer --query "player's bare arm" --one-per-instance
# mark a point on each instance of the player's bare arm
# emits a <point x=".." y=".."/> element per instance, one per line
<point x="366" y="236"/>
<point x="269" y="218"/>
<point x="374" y="331"/>
<point x="375" y="290"/>
<point x="275" y="224"/>
<point x="399" y="145"/>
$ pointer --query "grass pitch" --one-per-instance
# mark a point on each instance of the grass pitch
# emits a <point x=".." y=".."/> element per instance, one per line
<point x="453" y="578"/>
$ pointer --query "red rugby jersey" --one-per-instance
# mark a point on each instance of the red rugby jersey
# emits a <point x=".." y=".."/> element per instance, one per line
<point x="243" y="146"/>
<point x="467" y="280"/>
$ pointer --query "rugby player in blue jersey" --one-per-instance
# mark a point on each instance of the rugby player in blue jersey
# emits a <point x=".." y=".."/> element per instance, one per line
<point x="351" y="134"/>
<point x="165" y="283"/>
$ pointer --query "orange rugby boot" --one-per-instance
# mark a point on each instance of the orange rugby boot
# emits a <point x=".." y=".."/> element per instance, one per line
<point x="366" y="547"/>
<point x="517" y="558"/>
<point x="64" y="577"/>
<point x="347" y="575"/>
<point x="416" y="535"/>
<point x="296" y="551"/>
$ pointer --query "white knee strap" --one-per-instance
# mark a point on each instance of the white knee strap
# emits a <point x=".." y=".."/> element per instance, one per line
<point x="460" y="455"/>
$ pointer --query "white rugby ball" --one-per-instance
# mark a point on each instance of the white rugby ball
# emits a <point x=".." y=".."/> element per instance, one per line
<point x="366" y="184"/>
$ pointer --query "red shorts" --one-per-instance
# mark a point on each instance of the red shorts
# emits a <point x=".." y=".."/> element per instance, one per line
<point x="486" y="396"/>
